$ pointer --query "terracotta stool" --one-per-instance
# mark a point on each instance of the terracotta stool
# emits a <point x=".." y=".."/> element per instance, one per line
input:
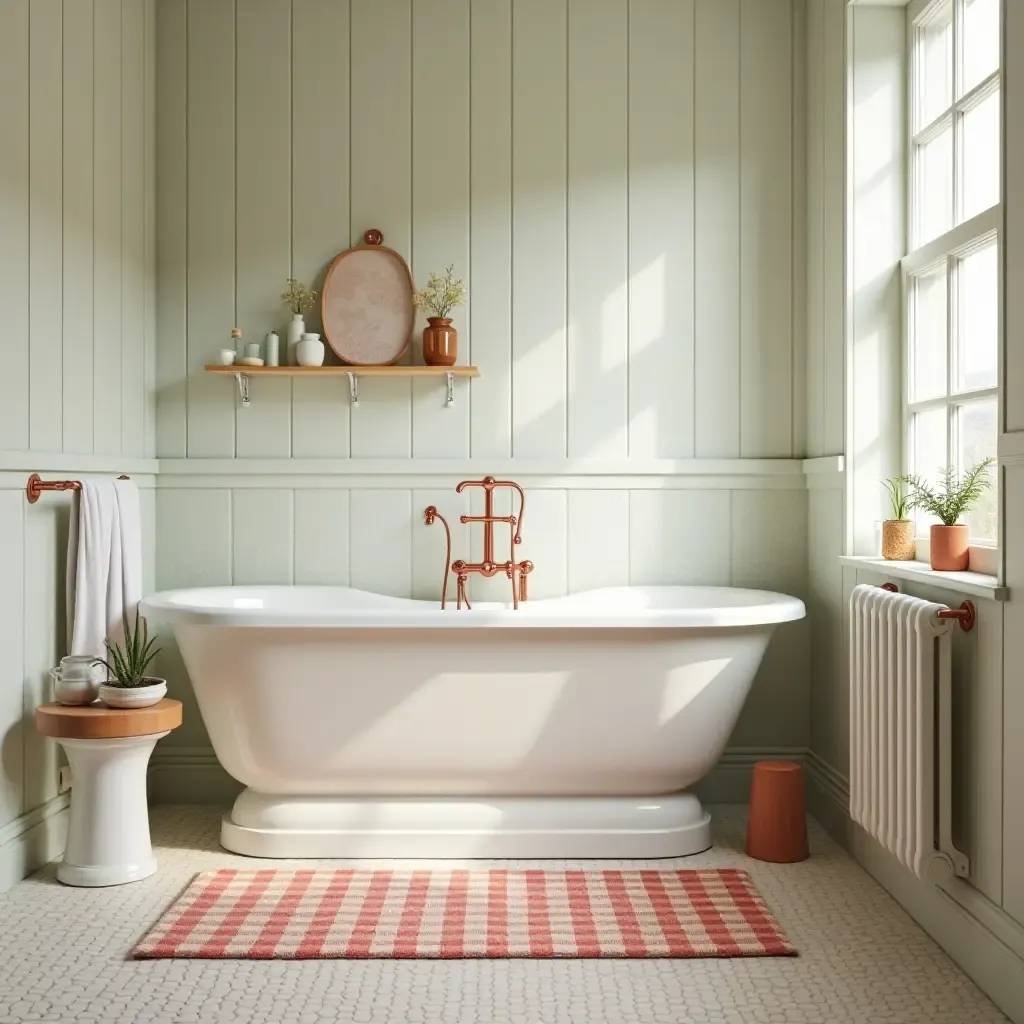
<point x="777" y="825"/>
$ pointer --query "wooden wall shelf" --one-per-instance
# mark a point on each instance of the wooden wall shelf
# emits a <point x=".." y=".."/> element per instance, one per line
<point x="244" y="374"/>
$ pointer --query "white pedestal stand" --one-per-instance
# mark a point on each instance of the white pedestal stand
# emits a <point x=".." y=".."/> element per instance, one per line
<point x="108" y="834"/>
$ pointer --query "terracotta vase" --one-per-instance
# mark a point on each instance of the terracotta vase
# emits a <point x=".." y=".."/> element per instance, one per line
<point x="950" y="547"/>
<point x="440" y="342"/>
<point x="898" y="544"/>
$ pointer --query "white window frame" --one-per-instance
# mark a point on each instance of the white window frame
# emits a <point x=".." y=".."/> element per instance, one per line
<point x="947" y="250"/>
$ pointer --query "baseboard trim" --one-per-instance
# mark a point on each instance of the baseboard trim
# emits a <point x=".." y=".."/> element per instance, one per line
<point x="32" y="840"/>
<point x="193" y="775"/>
<point x="980" y="937"/>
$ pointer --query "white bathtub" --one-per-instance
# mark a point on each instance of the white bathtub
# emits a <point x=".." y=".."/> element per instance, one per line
<point x="374" y="726"/>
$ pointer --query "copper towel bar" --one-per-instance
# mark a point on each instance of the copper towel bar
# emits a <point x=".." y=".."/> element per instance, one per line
<point x="965" y="614"/>
<point x="36" y="485"/>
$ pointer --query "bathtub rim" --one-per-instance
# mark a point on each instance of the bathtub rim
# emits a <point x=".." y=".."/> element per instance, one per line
<point x="764" y="608"/>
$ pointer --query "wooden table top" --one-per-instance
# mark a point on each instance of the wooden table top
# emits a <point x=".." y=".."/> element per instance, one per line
<point x="98" y="722"/>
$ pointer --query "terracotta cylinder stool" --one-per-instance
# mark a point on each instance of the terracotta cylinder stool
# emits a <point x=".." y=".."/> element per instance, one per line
<point x="777" y="825"/>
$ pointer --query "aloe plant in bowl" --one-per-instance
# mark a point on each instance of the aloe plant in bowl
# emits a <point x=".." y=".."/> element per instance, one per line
<point x="127" y="685"/>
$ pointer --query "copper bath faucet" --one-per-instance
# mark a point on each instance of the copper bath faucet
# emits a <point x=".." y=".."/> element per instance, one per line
<point x="517" y="572"/>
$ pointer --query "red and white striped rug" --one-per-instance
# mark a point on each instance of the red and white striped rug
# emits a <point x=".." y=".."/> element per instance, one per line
<point x="453" y="914"/>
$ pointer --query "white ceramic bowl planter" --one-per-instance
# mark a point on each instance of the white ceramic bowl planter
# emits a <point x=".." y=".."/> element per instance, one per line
<point x="134" y="696"/>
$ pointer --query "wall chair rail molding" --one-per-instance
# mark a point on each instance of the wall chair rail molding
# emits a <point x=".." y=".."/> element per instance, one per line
<point x="67" y="462"/>
<point x="781" y="474"/>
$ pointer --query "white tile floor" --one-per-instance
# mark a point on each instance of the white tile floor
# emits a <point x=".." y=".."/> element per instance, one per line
<point x="63" y="958"/>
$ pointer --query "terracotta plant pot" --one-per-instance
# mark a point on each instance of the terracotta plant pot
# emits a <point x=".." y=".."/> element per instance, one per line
<point x="440" y="342"/>
<point x="898" y="544"/>
<point x="950" y="547"/>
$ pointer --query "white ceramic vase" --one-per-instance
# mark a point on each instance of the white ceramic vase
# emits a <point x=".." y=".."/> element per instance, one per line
<point x="310" y="350"/>
<point x="296" y="328"/>
<point x="133" y="696"/>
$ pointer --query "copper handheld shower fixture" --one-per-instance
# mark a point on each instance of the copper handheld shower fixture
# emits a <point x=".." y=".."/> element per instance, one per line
<point x="516" y="572"/>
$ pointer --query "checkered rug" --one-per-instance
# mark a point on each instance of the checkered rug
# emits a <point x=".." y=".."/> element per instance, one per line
<point x="453" y="914"/>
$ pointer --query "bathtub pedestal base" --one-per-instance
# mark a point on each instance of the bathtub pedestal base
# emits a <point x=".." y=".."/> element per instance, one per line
<point x="260" y="825"/>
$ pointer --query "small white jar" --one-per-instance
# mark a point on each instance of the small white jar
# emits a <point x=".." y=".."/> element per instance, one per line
<point x="310" y="351"/>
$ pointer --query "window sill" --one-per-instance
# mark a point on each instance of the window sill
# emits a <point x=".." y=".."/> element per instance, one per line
<point x="973" y="584"/>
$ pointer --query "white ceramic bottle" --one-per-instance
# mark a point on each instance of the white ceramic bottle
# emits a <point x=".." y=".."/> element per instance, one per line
<point x="272" y="345"/>
<point x="296" y="328"/>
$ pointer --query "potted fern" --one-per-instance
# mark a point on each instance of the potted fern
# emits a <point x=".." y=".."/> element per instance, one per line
<point x="898" y="543"/>
<point x="127" y="684"/>
<point x="949" y="500"/>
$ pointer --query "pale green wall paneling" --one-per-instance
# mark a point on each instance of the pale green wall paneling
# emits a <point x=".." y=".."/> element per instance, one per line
<point x="12" y="647"/>
<point x="108" y="227"/>
<point x="833" y="265"/>
<point x="539" y="180"/>
<point x="597" y="230"/>
<point x="597" y="331"/>
<point x="45" y="256"/>
<point x="79" y="188"/>
<point x="149" y="227"/>
<point x="717" y="228"/>
<point x="14" y="221"/>
<point x="661" y="259"/>
<point x="172" y="223"/>
<point x="77" y="226"/>
<point x="440" y="200"/>
<point x="766" y="355"/>
<point x="133" y="228"/>
<point x="320" y="199"/>
<point x="381" y="189"/>
<point x="211" y="224"/>
<point x="263" y="193"/>
<point x="490" y="227"/>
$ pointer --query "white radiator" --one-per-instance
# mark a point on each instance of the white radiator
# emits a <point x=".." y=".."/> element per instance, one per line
<point x="901" y="729"/>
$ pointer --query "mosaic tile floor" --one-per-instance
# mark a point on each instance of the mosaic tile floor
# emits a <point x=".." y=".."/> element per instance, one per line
<point x="63" y="958"/>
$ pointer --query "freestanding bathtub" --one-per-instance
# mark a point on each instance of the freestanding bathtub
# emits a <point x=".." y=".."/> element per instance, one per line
<point x="375" y="726"/>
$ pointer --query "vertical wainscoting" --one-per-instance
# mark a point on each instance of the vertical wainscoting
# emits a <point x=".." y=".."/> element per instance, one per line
<point x="77" y="239"/>
<point x="77" y="289"/>
<point x="568" y="157"/>
<point x="33" y="627"/>
<point x="825" y="105"/>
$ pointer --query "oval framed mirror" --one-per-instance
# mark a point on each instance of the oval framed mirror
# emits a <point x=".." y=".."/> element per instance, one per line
<point x="366" y="304"/>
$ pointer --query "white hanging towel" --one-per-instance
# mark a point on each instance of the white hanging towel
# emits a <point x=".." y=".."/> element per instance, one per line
<point x="104" y="576"/>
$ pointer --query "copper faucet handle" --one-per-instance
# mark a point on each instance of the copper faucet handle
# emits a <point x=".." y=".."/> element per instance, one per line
<point x="487" y="484"/>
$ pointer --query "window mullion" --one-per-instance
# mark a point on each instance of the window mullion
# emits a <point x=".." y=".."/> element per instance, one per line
<point x="958" y="12"/>
<point x="952" y="349"/>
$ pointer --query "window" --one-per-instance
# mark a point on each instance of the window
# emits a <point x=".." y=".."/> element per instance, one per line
<point x="951" y="275"/>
